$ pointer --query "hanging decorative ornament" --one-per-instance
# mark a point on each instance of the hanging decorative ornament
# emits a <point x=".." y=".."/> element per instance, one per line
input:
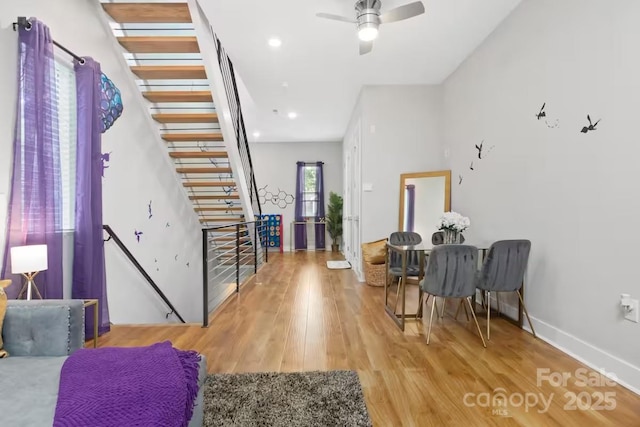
<point x="110" y="102"/>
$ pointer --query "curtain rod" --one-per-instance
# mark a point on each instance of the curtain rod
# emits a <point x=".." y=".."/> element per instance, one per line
<point x="24" y="23"/>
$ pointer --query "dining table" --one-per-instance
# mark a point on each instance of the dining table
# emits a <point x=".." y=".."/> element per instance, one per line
<point x="424" y="249"/>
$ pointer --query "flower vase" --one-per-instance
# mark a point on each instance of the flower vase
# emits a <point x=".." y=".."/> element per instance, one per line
<point x="451" y="237"/>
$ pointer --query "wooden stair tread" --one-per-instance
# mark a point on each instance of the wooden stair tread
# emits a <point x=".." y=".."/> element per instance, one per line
<point x="203" y="170"/>
<point x="232" y="261"/>
<point x="216" y="209"/>
<point x="228" y="238"/>
<point x="198" y="154"/>
<point x="185" y="117"/>
<point x="225" y="197"/>
<point x="178" y="96"/>
<point x="243" y="229"/>
<point x="160" y="44"/>
<point x="192" y="137"/>
<point x="209" y="184"/>
<point x="169" y="72"/>
<point x="148" y="12"/>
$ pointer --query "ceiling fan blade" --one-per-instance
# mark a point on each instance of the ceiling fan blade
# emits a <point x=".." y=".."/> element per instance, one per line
<point x="365" y="47"/>
<point x="336" y="17"/>
<point x="403" y="12"/>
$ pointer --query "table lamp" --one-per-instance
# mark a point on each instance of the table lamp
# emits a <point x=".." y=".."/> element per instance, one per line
<point x="29" y="261"/>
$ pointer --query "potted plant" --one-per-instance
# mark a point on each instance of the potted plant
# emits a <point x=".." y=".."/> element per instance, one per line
<point x="334" y="220"/>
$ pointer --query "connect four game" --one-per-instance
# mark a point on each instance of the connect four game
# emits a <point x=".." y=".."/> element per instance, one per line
<point x="273" y="234"/>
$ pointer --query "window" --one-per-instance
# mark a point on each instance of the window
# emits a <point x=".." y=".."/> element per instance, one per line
<point x="310" y="192"/>
<point x="64" y="162"/>
<point x="66" y="92"/>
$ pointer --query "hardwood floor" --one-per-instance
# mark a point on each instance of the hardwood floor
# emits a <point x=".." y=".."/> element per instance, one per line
<point x="297" y="315"/>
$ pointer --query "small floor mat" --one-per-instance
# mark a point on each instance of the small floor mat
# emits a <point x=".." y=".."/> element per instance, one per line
<point x="338" y="265"/>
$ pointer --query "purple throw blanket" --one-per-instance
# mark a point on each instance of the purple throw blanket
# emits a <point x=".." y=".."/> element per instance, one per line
<point x="139" y="386"/>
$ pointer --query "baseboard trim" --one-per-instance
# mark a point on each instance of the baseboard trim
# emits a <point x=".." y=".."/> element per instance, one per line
<point x="626" y="374"/>
<point x="506" y="309"/>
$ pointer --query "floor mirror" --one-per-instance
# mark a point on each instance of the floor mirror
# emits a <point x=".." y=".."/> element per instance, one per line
<point x="424" y="197"/>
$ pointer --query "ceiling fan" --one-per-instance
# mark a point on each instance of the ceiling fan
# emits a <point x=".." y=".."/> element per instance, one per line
<point x="368" y="19"/>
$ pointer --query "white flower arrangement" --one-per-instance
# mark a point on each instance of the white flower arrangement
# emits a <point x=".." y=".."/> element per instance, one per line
<point x="453" y="221"/>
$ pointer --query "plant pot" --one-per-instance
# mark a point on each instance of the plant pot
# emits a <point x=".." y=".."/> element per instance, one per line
<point x="335" y="247"/>
<point x="451" y="237"/>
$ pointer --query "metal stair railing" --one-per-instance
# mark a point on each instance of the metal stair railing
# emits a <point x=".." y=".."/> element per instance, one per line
<point x="228" y="263"/>
<point x="231" y="89"/>
<point x="113" y="236"/>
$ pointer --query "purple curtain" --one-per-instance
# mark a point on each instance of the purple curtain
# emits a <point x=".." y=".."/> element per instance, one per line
<point x="35" y="201"/>
<point x="411" y="207"/>
<point x="89" y="281"/>
<point x="300" y="229"/>
<point x="320" y="228"/>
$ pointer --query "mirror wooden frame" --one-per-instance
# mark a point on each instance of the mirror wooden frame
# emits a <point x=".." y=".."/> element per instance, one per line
<point x="447" y="190"/>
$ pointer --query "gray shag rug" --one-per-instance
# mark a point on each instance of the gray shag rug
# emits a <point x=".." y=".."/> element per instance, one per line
<point x="331" y="398"/>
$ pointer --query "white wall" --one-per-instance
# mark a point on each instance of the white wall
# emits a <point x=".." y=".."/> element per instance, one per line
<point x="402" y="133"/>
<point x="275" y="167"/>
<point x="139" y="171"/>
<point x="574" y="195"/>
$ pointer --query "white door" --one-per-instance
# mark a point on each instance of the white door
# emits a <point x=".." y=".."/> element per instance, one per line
<point x="355" y="195"/>
<point x="346" y="208"/>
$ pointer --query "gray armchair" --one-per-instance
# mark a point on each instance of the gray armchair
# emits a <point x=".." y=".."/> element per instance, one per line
<point x="451" y="273"/>
<point x="503" y="271"/>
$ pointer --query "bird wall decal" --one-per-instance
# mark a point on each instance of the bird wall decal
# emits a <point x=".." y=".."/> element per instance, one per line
<point x="479" y="148"/>
<point x="542" y="113"/>
<point x="591" y="127"/>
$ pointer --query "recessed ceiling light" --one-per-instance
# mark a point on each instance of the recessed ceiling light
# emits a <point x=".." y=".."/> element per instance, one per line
<point x="275" y="42"/>
<point x="256" y="134"/>
<point x="292" y="115"/>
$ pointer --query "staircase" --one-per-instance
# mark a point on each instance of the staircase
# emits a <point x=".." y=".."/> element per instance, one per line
<point x="161" y="46"/>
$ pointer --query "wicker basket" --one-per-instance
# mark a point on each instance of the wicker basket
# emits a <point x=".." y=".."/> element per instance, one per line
<point x="374" y="274"/>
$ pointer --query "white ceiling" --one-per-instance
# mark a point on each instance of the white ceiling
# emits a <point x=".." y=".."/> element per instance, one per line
<point x="319" y="58"/>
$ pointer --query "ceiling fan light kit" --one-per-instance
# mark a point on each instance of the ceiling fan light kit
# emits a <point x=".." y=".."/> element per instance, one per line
<point x="368" y="33"/>
<point x="369" y="18"/>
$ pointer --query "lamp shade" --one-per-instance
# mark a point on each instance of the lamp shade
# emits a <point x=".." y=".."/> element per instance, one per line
<point x="28" y="259"/>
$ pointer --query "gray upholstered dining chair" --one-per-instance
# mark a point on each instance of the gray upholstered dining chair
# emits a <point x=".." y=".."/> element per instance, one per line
<point x="404" y="238"/>
<point x="437" y="238"/>
<point x="503" y="271"/>
<point x="451" y="273"/>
